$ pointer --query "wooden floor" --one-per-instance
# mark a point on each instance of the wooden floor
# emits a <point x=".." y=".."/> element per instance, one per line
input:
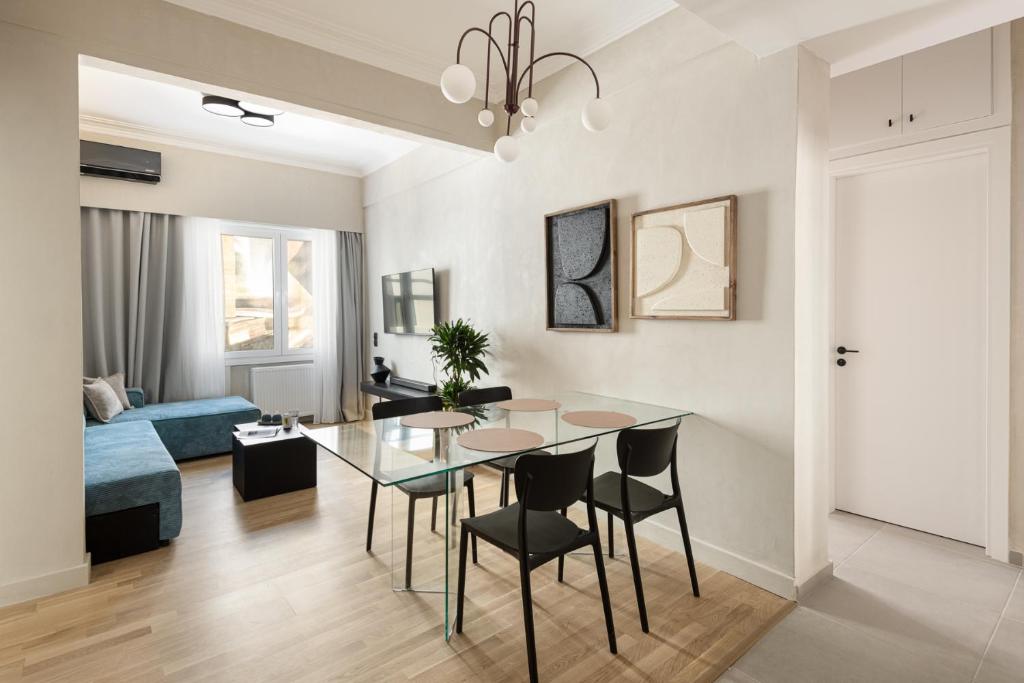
<point x="282" y="589"/>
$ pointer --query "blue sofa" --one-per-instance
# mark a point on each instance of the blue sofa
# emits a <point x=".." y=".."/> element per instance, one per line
<point x="132" y="484"/>
<point x="190" y="429"/>
<point x="127" y="466"/>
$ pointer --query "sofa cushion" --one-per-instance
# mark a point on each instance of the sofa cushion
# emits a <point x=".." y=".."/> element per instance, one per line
<point x="126" y="465"/>
<point x="100" y="398"/>
<point x="193" y="428"/>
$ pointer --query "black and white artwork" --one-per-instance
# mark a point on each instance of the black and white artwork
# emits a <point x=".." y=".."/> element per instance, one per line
<point x="581" y="282"/>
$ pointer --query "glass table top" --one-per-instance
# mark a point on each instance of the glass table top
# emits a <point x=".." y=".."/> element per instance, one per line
<point x="391" y="453"/>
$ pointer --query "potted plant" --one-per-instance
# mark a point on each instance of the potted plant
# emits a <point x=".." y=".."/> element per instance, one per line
<point x="460" y="348"/>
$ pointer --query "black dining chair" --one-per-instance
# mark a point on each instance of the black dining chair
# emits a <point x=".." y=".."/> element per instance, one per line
<point x="535" y="532"/>
<point x="476" y="397"/>
<point x="432" y="487"/>
<point x="643" y="453"/>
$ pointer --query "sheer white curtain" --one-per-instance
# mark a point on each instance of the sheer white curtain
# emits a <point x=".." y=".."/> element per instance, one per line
<point x="199" y="364"/>
<point x="326" y="286"/>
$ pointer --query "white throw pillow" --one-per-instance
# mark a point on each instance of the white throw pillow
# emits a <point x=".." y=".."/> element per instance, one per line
<point x="116" y="382"/>
<point x="100" y="399"/>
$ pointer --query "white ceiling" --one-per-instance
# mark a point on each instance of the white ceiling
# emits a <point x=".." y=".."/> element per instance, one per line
<point x="418" y="38"/>
<point x="767" y="26"/>
<point x="120" y="100"/>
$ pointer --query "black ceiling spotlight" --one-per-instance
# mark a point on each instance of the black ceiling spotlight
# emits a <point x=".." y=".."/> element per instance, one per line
<point x="251" y="114"/>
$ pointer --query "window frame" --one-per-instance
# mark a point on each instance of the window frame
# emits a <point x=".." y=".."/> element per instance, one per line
<point x="280" y="236"/>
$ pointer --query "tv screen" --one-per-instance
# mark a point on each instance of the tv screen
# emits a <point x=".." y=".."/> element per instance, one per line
<point x="409" y="302"/>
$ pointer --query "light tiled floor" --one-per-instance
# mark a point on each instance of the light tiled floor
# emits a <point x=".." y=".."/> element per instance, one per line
<point x="904" y="606"/>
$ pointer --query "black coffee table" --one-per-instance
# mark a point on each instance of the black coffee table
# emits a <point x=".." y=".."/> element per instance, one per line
<point x="270" y="466"/>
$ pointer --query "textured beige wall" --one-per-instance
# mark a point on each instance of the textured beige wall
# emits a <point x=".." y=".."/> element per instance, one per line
<point x="694" y="117"/>
<point x="41" y="490"/>
<point x="197" y="183"/>
<point x="170" y="39"/>
<point x="1017" y="296"/>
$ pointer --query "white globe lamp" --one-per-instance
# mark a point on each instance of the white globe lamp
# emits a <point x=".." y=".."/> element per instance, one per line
<point x="506" y="148"/>
<point x="597" y="115"/>
<point x="458" y="83"/>
<point x="528" y="125"/>
<point x="529" y="107"/>
<point x="485" y="118"/>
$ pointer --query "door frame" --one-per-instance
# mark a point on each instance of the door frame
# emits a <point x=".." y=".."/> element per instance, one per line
<point x="995" y="145"/>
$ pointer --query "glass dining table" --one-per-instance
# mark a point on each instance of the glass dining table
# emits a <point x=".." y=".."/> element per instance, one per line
<point x="393" y="454"/>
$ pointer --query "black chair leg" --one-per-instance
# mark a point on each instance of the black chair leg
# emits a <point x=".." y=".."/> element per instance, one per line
<point x="504" y="486"/>
<point x="408" y="543"/>
<point x="531" y="647"/>
<point x="373" y="508"/>
<point x="637" y="583"/>
<point x="611" y="537"/>
<point x="433" y="514"/>
<point x="462" y="579"/>
<point x="507" y="484"/>
<point x="471" y="494"/>
<point x="688" y="549"/>
<point x="605" y="598"/>
<point x="561" y="558"/>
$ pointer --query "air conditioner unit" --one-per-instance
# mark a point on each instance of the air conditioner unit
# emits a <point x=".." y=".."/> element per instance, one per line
<point x="122" y="163"/>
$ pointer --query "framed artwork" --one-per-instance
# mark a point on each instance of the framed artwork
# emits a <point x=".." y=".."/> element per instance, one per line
<point x="579" y="246"/>
<point x="683" y="262"/>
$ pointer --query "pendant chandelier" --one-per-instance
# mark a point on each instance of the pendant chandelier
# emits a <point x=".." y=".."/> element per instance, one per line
<point x="459" y="84"/>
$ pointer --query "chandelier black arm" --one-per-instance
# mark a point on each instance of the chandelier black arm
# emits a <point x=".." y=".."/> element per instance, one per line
<point x="529" y="69"/>
<point x="458" y="52"/>
<point x="490" y="33"/>
<point x="533" y="37"/>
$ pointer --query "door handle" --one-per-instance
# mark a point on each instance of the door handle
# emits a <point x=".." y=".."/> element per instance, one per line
<point x="842" y="349"/>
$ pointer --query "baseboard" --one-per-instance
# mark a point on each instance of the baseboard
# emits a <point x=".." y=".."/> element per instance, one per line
<point x="727" y="561"/>
<point x="821" y="577"/>
<point x="1017" y="558"/>
<point x="47" y="584"/>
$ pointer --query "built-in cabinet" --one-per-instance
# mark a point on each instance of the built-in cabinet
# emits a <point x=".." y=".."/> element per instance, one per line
<point x="949" y="89"/>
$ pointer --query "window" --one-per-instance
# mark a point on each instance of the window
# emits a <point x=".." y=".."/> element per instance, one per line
<point x="268" y="292"/>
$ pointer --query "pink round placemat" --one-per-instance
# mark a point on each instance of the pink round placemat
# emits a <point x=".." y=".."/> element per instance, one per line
<point x="600" y="419"/>
<point x="497" y="440"/>
<point x="438" y="419"/>
<point x="529" y="405"/>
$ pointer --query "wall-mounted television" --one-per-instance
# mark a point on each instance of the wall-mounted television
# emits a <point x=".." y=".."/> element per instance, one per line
<point x="409" y="304"/>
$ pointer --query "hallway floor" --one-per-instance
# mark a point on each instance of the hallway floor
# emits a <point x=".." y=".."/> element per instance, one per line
<point x="903" y="606"/>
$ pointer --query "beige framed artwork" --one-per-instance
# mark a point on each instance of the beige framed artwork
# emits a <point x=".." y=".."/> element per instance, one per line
<point x="683" y="261"/>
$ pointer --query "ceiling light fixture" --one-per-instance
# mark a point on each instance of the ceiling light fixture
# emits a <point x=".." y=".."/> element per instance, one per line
<point x="458" y="82"/>
<point x="222" y="106"/>
<point x="251" y="114"/>
<point x="258" y="120"/>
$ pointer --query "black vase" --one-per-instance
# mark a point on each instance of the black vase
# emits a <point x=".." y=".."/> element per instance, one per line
<point x="380" y="372"/>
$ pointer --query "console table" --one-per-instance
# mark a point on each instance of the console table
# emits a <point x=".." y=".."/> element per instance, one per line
<point x="390" y="391"/>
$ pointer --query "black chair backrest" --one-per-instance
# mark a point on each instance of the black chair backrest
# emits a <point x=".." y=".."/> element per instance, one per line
<point x="476" y="397"/>
<point x="406" y="406"/>
<point x="646" y="452"/>
<point x="552" y="482"/>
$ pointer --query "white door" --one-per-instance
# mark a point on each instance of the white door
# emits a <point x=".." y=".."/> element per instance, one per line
<point x="911" y="408"/>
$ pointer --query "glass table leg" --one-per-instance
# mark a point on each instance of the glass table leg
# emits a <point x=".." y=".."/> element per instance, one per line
<point x="453" y="527"/>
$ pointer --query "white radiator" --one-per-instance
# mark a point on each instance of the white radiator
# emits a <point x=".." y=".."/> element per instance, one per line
<point x="286" y="387"/>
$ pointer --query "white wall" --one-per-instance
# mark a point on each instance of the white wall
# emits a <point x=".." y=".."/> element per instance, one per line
<point x="199" y="183"/>
<point x="812" y="300"/>
<point x="41" y="489"/>
<point x="1017" y="295"/>
<point x="695" y="117"/>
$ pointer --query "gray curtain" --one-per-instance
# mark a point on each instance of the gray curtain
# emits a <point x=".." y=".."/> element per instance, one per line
<point x="351" y="362"/>
<point x="132" y="277"/>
